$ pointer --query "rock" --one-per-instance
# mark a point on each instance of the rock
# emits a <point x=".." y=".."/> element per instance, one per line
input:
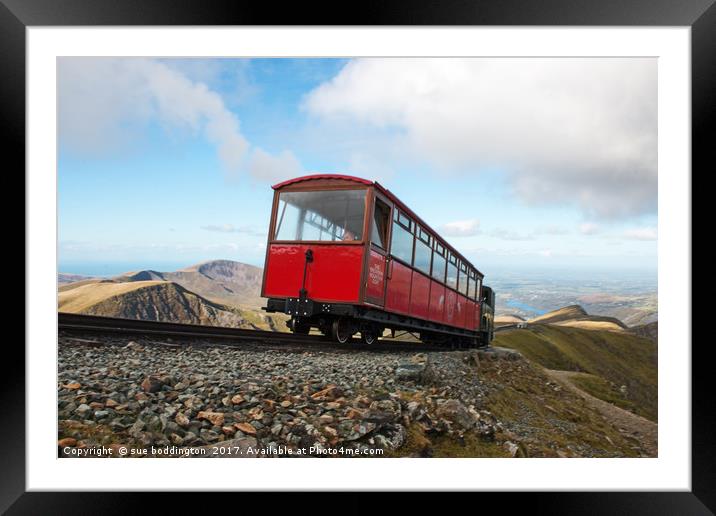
<point x="136" y="428"/>
<point x="82" y="409"/>
<point x="286" y="404"/>
<point x="330" y="431"/>
<point x="228" y="430"/>
<point x="498" y="353"/>
<point x="454" y="411"/>
<point x="67" y="441"/>
<point x="73" y="386"/>
<point x="246" y="428"/>
<point x="472" y="358"/>
<point x="134" y="346"/>
<point x="511" y="448"/>
<point x="329" y="393"/>
<point x="237" y="399"/>
<point x="110" y="403"/>
<point x="415" y="410"/>
<point x="392" y="437"/>
<point x="216" y="418"/>
<point x="416" y="369"/>
<point x="152" y="384"/>
<point x="354" y="413"/>
<point x="193" y="402"/>
<point x="181" y="420"/>
<point x="351" y="430"/>
<point x="101" y="414"/>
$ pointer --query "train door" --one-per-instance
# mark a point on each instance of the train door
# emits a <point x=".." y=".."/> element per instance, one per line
<point x="378" y="253"/>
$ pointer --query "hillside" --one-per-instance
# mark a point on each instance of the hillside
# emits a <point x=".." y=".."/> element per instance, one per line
<point x="221" y="281"/>
<point x="575" y="316"/>
<point x="618" y="367"/>
<point x="64" y="277"/>
<point x="650" y="330"/>
<point x="157" y="300"/>
<point x="507" y="319"/>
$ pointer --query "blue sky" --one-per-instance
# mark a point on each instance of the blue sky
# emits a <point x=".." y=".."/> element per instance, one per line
<point x="519" y="163"/>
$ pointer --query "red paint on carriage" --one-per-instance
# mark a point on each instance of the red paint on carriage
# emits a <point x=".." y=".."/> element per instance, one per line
<point x="333" y="275"/>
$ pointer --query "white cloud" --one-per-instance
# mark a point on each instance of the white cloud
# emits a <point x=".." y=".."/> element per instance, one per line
<point x="506" y="234"/>
<point x="267" y="167"/>
<point x="369" y="167"/>
<point x="564" y="130"/>
<point x="646" y="233"/>
<point x="461" y="228"/>
<point x="105" y="103"/>
<point x="102" y="101"/>
<point x="589" y="228"/>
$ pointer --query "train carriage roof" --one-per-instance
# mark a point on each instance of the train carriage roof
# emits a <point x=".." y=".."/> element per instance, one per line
<point x="387" y="193"/>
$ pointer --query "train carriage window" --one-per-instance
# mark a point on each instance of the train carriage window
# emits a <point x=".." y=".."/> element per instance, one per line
<point x="438" y="270"/>
<point x="473" y="285"/>
<point x="452" y="272"/>
<point x="462" y="281"/>
<point x="379" y="224"/>
<point x="423" y="251"/>
<point x="403" y="219"/>
<point x="323" y="215"/>
<point x="478" y="288"/>
<point x="402" y="241"/>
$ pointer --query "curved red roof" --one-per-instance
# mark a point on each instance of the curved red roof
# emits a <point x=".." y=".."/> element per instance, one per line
<point x="322" y="176"/>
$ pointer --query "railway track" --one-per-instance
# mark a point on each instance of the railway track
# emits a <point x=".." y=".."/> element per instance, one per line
<point x="93" y="324"/>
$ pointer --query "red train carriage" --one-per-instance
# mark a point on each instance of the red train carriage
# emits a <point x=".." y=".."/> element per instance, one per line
<point x="346" y="256"/>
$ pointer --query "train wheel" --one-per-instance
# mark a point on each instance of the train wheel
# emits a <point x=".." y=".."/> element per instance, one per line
<point x="341" y="330"/>
<point x="368" y="337"/>
<point x="301" y="329"/>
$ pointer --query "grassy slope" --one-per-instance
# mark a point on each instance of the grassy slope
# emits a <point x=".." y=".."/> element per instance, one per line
<point x="80" y="298"/>
<point x="616" y="358"/>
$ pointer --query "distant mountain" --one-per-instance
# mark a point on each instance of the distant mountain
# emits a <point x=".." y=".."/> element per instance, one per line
<point x="63" y="278"/>
<point x="576" y="316"/>
<point x="221" y="281"/>
<point x="157" y="300"/>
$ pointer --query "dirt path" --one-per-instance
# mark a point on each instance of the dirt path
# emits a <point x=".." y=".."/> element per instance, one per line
<point x="641" y="428"/>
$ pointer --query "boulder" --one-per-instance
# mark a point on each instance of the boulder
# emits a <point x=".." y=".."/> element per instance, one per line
<point x="416" y="369"/>
<point x="454" y="411"/>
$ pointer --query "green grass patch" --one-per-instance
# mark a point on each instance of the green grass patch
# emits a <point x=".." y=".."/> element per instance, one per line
<point x="618" y="358"/>
<point x="602" y="389"/>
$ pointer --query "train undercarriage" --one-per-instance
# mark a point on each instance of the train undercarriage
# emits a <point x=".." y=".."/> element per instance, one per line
<point x="340" y="322"/>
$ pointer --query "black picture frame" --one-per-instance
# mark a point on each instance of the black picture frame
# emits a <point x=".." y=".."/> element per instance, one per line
<point x="17" y="15"/>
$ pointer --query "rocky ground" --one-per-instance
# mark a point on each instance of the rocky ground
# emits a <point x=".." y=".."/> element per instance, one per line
<point x="155" y="398"/>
